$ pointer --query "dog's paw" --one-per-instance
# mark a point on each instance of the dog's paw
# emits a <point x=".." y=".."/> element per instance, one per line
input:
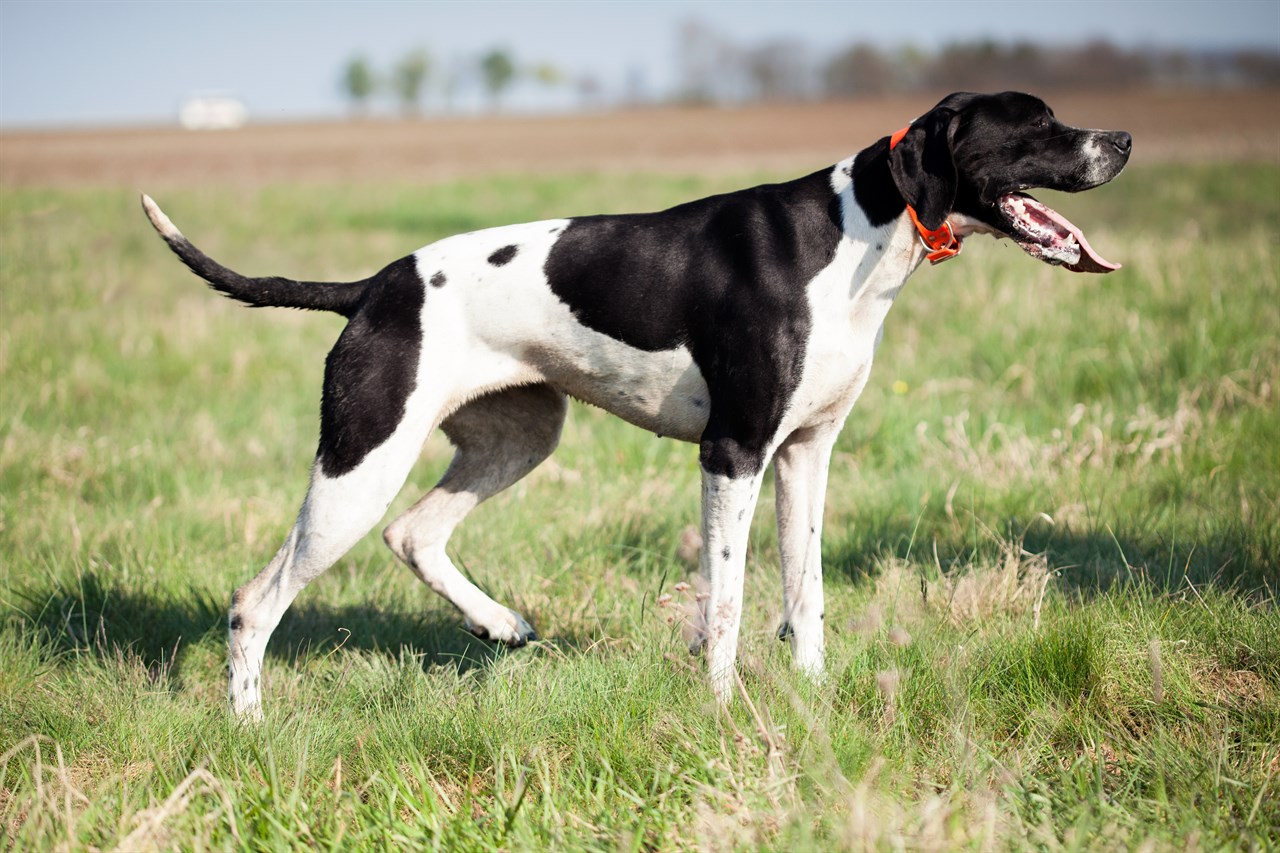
<point x="510" y="629"/>
<point x="247" y="715"/>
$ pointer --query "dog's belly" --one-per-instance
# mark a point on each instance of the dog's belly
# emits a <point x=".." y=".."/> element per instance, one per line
<point x="663" y="391"/>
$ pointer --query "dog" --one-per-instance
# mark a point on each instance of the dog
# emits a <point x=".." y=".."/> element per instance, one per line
<point x="745" y="323"/>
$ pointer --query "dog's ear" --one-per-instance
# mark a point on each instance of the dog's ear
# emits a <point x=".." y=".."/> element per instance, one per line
<point x="922" y="166"/>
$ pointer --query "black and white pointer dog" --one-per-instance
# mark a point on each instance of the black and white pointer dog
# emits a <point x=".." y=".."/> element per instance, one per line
<point x="744" y="322"/>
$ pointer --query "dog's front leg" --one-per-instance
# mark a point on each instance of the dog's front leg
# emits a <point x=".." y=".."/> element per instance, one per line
<point x="800" y="474"/>
<point x="728" y="500"/>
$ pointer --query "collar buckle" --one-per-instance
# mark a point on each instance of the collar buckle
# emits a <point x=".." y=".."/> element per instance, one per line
<point x="940" y="245"/>
<point x="937" y="252"/>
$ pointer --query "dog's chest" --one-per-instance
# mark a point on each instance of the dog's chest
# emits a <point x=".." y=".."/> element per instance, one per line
<point x="848" y="303"/>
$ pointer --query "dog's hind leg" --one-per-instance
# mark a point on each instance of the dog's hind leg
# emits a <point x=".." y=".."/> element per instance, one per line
<point x="499" y="438"/>
<point x="374" y="417"/>
<point x="337" y="512"/>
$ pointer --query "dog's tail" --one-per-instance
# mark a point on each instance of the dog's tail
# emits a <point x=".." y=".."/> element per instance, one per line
<point x="339" y="297"/>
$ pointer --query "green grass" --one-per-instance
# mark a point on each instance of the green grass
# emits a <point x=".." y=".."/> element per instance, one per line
<point x="1052" y="554"/>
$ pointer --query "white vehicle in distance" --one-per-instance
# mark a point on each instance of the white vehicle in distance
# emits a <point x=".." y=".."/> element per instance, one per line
<point x="212" y="111"/>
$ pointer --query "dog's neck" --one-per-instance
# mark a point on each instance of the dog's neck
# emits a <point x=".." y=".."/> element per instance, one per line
<point x="882" y="201"/>
<point x="880" y="250"/>
<point x="873" y="185"/>
<point x="875" y="211"/>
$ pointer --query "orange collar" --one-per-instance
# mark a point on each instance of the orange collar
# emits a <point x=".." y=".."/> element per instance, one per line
<point x="941" y="245"/>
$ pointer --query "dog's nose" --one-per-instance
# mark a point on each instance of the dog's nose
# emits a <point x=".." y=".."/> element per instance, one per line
<point x="1122" y="141"/>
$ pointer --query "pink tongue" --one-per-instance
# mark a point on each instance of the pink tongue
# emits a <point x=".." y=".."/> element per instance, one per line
<point x="1090" y="261"/>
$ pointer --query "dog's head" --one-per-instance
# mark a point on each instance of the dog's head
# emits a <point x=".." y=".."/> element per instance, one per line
<point x="971" y="157"/>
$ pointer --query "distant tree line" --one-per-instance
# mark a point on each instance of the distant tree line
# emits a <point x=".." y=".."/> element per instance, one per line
<point x="416" y="73"/>
<point x="714" y="69"/>
<point x="862" y="69"/>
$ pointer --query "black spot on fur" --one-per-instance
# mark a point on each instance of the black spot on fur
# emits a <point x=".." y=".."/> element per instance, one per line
<point x="372" y="369"/>
<point x="438" y="280"/>
<point x="235" y="623"/>
<point x="246" y="684"/>
<point x="725" y="553"/>
<point x="724" y="276"/>
<point x="503" y="256"/>
<point x="879" y="247"/>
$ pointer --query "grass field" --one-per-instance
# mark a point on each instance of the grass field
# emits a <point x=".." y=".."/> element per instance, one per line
<point x="1052" y="558"/>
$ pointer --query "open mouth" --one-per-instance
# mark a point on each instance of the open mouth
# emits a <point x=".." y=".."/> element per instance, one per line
<point x="1044" y="233"/>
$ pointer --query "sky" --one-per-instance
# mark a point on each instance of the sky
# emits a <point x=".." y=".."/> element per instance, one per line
<point x="96" y="62"/>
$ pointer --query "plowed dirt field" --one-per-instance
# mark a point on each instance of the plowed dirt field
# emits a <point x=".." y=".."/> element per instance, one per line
<point x="1166" y="126"/>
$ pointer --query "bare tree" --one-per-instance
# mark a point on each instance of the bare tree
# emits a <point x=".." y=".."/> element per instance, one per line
<point x="860" y="69"/>
<point x="1098" y="64"/>
<point x="588" y="88"/>
<point x="456" y="76"/>
<point x="1258" y="68"/>
<point x="700" y="52"/>
<point x="777" y="71"/>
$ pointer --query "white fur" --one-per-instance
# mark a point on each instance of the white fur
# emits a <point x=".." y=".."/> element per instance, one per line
<point x="158" y="218"/>
<point x="1099" y="165"/>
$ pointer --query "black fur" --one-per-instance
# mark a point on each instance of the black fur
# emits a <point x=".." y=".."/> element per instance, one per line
<point x="977" y="148"/>
<point x="922" y="167"/>
<point x="372" y="369"/>
<point x="874" y="188"/>
<point x="724" y="276"/>
<point x="438" y="280"/>
<point x="503" y="256"/>
<point x="339" y="297"/>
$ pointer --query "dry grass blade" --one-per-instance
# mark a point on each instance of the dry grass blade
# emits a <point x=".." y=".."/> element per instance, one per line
<point x="149" y="834"/>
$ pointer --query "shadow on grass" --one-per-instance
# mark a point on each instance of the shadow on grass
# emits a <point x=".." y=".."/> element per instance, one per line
<point x="1234" y="556"/>
<point x="101" y="618"/>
